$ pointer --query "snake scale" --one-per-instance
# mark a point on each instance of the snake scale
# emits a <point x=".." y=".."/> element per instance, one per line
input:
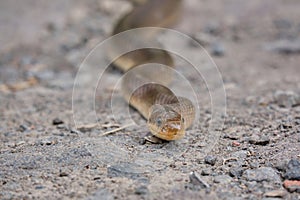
<point x="167" y="115"/>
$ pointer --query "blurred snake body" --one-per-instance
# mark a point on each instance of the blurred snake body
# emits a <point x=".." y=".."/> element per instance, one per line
<point x="167" y="115"/>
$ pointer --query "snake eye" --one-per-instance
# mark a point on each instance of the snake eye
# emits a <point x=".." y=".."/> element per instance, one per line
<point x="158" y="122"/>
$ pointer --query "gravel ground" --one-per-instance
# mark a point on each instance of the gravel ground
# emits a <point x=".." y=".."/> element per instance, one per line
<point x="256" y="46"/>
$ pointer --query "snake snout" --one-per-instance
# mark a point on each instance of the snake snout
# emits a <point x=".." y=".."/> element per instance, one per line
<point x="166" y="124"/>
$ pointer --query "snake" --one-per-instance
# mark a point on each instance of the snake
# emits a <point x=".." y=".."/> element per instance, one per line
<point x="168" y="116"/>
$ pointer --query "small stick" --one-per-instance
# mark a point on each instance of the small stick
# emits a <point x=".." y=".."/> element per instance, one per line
<point x="116" y="130"/>
<point x="87" y="127"/>
<point x="110" y="125"/>
<point x="94" y="125"/>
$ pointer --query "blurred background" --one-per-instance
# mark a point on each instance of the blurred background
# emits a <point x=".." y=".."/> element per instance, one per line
<point x="40" y="38"/>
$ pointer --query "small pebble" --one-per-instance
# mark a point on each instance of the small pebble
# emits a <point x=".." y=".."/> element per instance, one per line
<point x="275" y="193"/>
<point x="142" y="190"/>
<point x="259" y="140"/>
<point x="206" y="172"/>
<point x="23" y="128"/>
<point x="236" y="172"/>
<point x="236" y="144"/>
<point x="46" y="142"/>
<point x="293" y="170"/>
<point x="211" y="160"/>
<point x="292" y="186"/>
<point x="57" y="121"/>
<point x="62" y="174"/>
<point x="223" y="179"/>
<point x="39" y="187"/>
<point x="281" y="165"/>
<point x="240" y="155"/>
<point x="217" y="49"/>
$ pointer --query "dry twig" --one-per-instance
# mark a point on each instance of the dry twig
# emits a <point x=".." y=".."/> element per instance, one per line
<point x="116" y="130"/>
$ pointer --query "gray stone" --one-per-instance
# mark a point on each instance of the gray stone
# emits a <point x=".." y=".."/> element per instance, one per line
<point x="259" y="140"/>
<point x="292" y="171"/>
<point x="236" y="172"/>
<point x="206" y="172"/>
<point x="57" y="121"/>
<point x="240" y="154"/>
<point x="217" y="49"/>
<point x="223" y="179"/>
<point x="262" y="174"/>
<point x="210" y="160"/>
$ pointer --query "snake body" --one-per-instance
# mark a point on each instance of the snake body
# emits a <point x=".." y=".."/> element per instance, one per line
<point x="167" y="115"/>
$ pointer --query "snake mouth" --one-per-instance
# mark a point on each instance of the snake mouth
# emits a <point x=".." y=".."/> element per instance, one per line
<point x="172" y="130"/>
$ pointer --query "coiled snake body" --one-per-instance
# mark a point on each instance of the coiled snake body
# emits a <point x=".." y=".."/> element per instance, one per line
<point x="168" y="116"/>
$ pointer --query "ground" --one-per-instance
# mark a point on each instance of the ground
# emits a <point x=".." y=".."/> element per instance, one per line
<point x="256" y="47"/>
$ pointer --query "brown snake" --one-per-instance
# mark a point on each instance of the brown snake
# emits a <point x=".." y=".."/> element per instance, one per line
<point x="168" y="116"/>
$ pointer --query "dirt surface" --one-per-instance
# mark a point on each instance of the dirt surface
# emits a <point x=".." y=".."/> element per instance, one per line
<point x="256" y="46"/>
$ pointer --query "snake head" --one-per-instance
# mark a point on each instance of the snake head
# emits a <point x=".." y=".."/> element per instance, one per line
<point x="165" y="123"/>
